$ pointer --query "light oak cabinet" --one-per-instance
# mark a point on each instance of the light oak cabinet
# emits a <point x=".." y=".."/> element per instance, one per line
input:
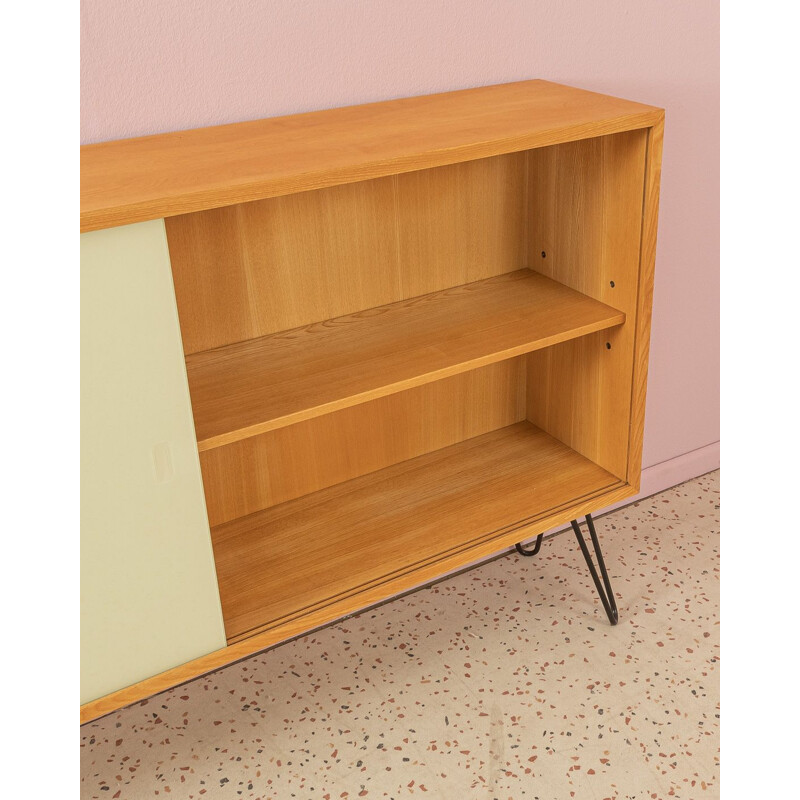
<point x="415" y="333"/>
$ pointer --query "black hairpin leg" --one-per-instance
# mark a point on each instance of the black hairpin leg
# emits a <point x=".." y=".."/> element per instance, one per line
<point x="537" y="547"/>
<point x="604" y="589"/>
<point x="607" y="596"/>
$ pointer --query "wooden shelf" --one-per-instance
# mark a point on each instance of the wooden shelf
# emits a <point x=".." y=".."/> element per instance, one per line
<point x="149" y="177"/>
<point x="262" y="384"/>
<point x="349" y="539"/>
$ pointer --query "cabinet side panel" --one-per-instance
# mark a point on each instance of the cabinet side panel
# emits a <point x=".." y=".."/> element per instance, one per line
<point x="655" y="142"/>
<point x="585" y="223"/>
<point x="280" y="465"/>
<point x="149" y="597"/>
<point x="253" y="269"/>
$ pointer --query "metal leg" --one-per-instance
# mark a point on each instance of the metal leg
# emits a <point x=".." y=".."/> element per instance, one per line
<point x="607" y="596"/>
<point x="604" y="589"/>
<point x="537" y="547"/>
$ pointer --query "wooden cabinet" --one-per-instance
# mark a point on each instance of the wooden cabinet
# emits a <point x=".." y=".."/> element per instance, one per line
<point x="415" y="332"/>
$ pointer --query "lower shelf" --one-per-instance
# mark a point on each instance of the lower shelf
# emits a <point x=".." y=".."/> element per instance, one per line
<point x="344" y="541"/>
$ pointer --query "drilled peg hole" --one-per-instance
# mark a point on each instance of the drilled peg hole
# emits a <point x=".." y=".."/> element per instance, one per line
<point x="612" y="284"/>
<point x="544" y="255"/>
<point x="608" y="345"/>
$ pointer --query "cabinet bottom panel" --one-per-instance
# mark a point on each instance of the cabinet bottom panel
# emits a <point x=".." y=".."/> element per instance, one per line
<point x="288" y="561"/>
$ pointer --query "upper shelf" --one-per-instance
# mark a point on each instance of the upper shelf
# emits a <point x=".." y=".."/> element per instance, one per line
<point x="149" y="177"/>
<point x="262" y="384"/>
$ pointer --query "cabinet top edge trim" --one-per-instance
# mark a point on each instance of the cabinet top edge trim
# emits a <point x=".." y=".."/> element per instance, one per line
<point x="153" y="177"/>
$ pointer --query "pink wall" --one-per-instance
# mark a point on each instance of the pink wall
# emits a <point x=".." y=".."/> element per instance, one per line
<point x="150" y="66"/>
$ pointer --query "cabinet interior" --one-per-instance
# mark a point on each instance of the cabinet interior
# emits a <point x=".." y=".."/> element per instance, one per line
<point x="392" y="376"/>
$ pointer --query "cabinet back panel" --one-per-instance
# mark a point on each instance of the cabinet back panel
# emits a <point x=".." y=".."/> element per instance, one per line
<point x="280" y="465"/>
<point x="257" y="268"/>
<point x="585" y="215"/>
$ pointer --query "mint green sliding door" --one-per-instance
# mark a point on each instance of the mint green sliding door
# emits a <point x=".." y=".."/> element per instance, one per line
<point x="149" y="598"/>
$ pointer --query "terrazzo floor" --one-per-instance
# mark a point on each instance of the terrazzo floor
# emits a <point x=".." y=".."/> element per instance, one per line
<point x="500" y="683"/>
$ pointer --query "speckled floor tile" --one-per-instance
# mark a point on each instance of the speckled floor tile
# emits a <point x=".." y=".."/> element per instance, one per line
<point x="501" y="683"/>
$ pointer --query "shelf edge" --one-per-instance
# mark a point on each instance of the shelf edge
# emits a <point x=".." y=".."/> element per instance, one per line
<point x="230" y="437"/>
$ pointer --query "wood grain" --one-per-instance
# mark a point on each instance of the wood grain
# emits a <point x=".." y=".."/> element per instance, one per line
<point x="338" y="608"/>
<point x="585" y="216"/>
<point x="149" y="177"/>
<point x="253" y="269"/>
<point x="461" y="223"/>
<point x="257" y="268"/>
<point x="272" y="565"/>
<point x="263" y="471"/>
<point x="253" y="387"/>
<point x="644" y="305"/>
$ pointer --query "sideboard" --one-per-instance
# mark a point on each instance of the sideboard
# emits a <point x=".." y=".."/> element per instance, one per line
<point x="332" y="356"/>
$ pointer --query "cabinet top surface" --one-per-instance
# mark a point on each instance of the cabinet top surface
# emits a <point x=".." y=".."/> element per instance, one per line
<point x="149" y="177"/>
